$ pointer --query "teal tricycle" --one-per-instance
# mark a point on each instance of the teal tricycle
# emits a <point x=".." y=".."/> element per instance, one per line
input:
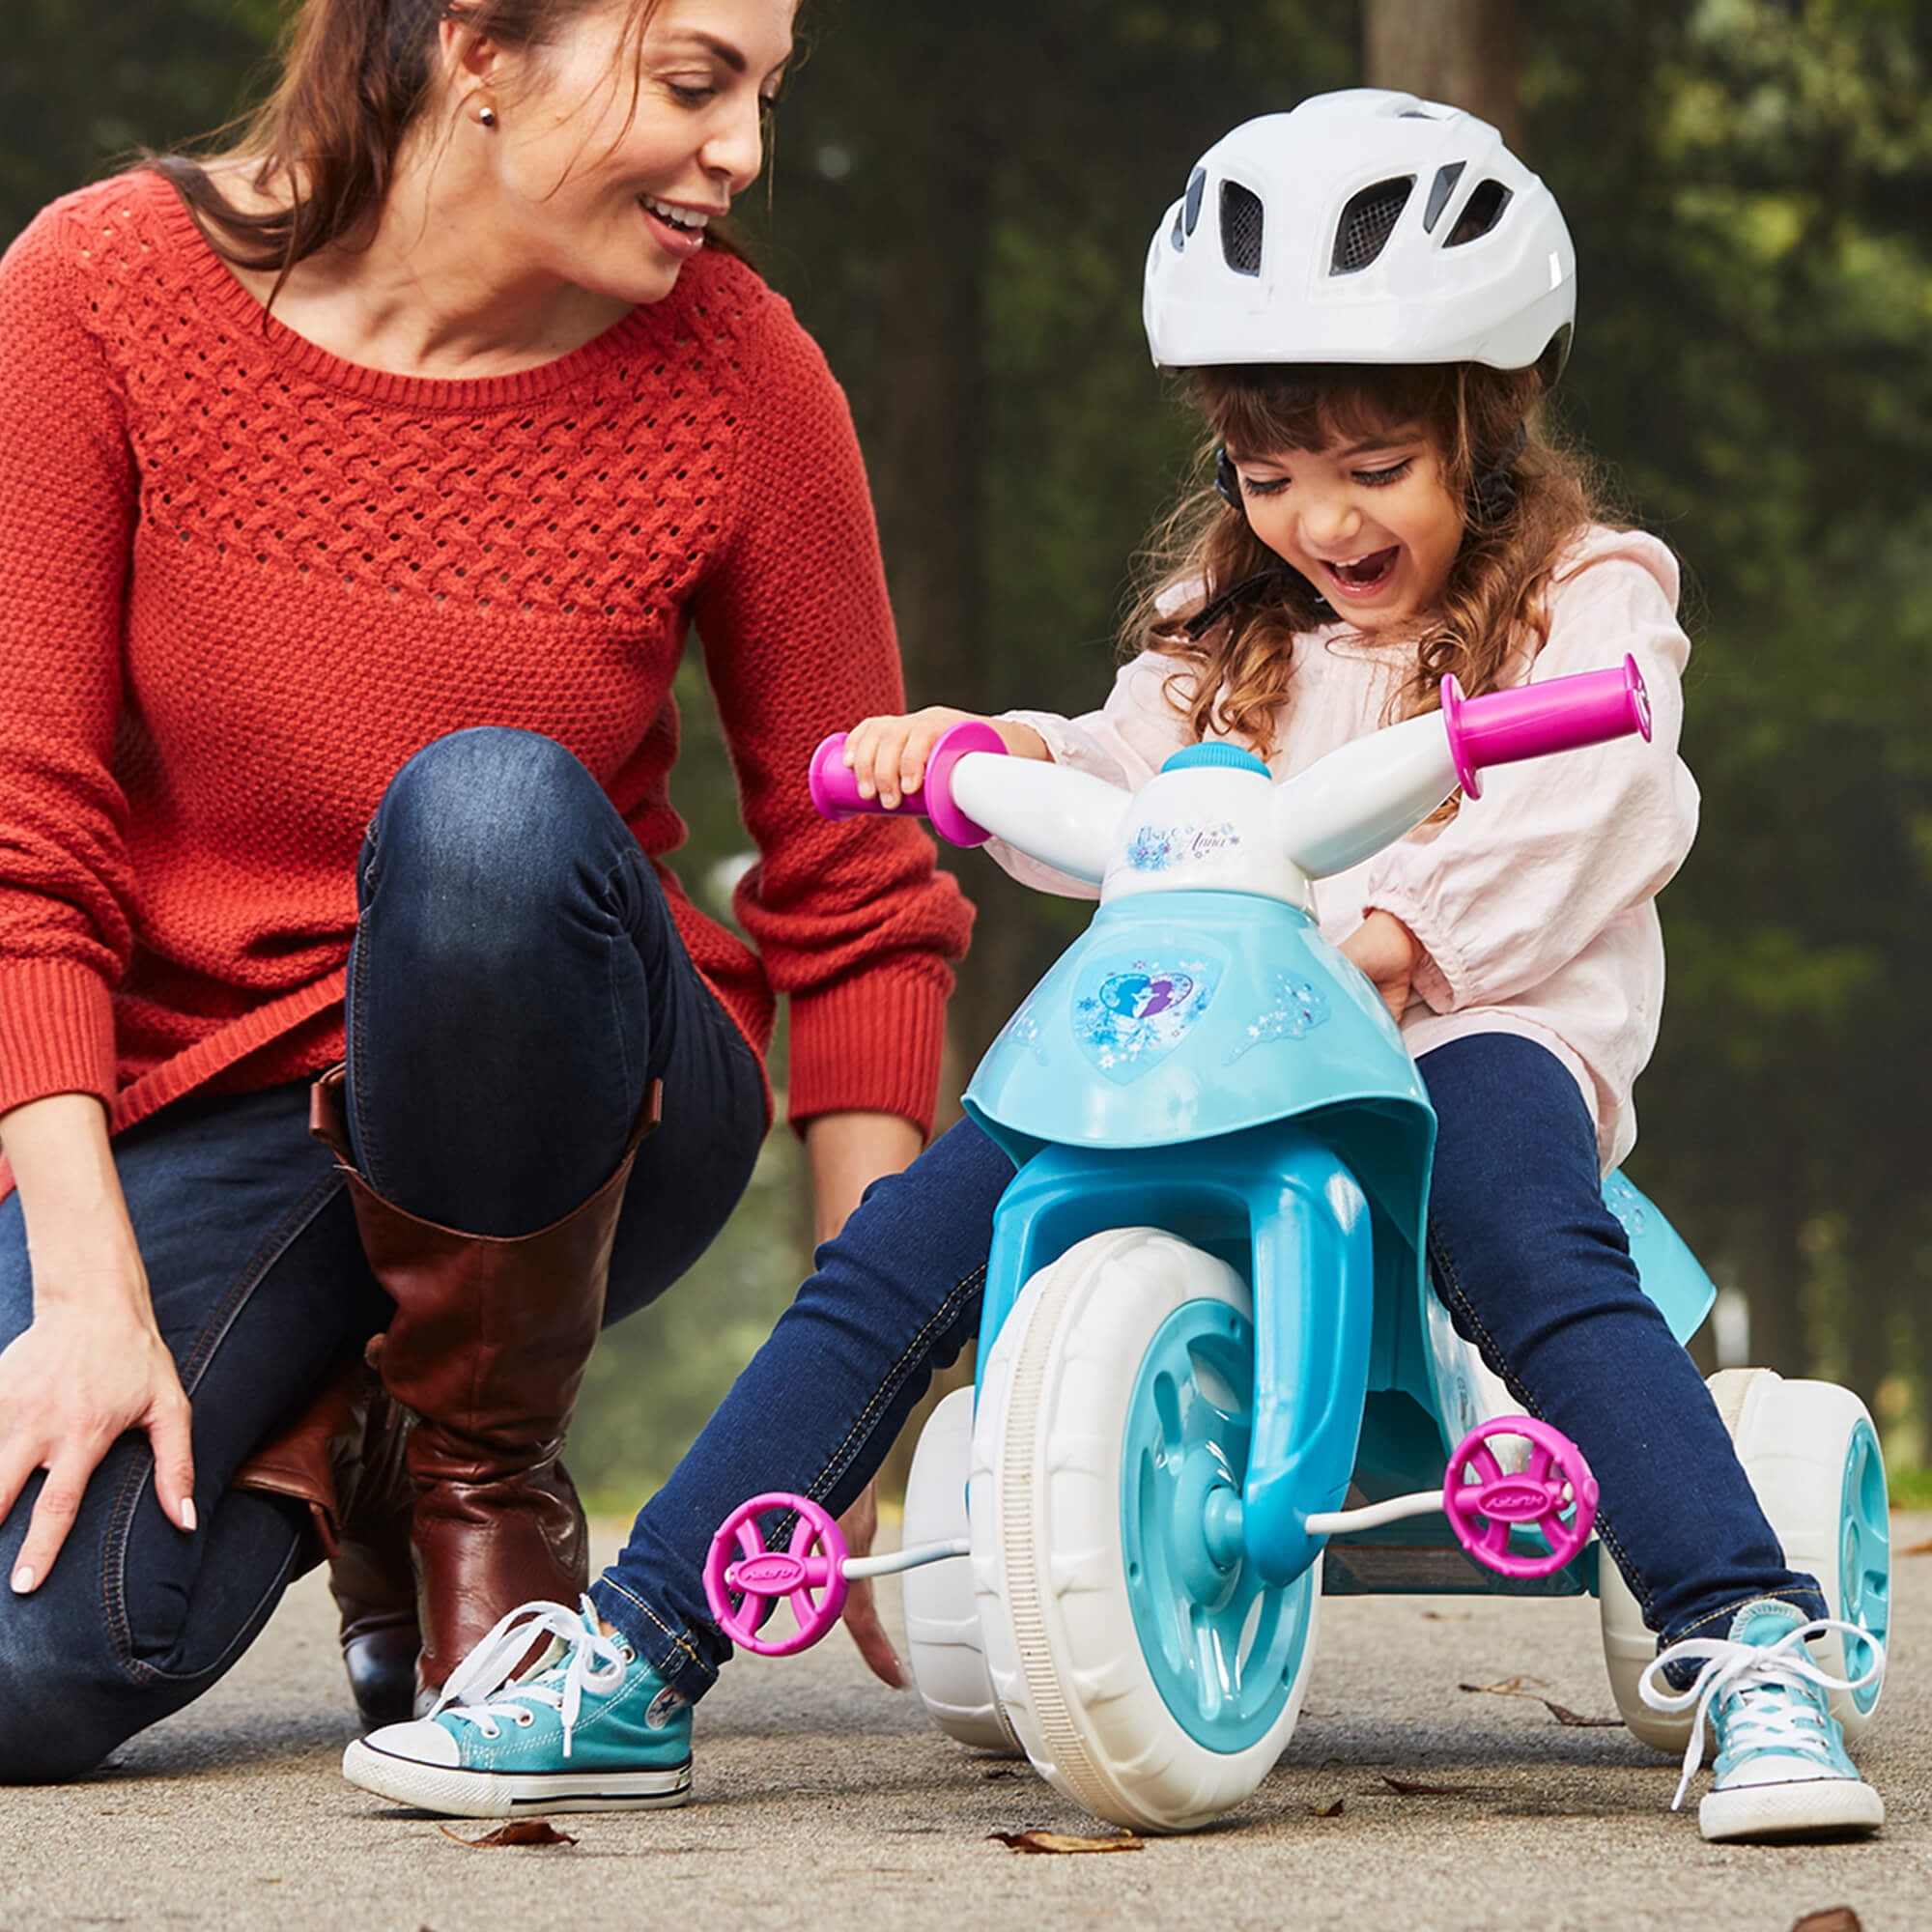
<point x="1213" y="1381"/>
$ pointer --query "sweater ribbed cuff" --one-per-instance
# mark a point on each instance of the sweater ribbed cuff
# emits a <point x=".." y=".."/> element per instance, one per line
<point x="56" y="1032"/>
<point x="869" y="1045"/>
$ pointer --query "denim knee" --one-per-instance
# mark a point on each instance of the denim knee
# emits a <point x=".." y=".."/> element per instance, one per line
<point x="481" y="798"/>
<point x="486" y="827"/>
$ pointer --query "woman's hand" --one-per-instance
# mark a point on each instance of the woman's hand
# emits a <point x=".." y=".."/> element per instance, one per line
<point x="88" y="1370"/>
<point x="92" y="1365"/>
<point x="858" y="1525"/>
<point x="888" y="755"/>
<point x="1386" y="952"/>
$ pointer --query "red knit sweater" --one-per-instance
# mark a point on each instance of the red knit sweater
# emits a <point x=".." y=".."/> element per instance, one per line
<point x="241" y="582"/>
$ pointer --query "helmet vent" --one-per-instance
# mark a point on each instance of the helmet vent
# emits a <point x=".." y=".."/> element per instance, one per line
<point x="1443" y="187"/>
<point x="1480" y="214"/>
<point x="1197" y="187"/>
<point x="1241" y="228"/>
<point x="1367" y="222"/>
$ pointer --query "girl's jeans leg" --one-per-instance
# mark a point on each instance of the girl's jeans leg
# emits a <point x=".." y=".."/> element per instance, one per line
<point x="517" y="984"/>
<point x="896" y="1295"/>
<point x="1536" y="1271"/>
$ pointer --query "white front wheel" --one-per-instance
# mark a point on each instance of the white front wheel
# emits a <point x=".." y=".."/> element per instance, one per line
<point x="1144" y="1666"/>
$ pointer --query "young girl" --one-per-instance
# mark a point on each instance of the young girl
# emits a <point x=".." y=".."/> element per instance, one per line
<point x="1370" y="296"/>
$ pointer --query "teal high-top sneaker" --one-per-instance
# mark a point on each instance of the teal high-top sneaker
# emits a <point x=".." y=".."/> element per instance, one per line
<point x="1781" y="1769"/>
<point x="589" y="1727"/>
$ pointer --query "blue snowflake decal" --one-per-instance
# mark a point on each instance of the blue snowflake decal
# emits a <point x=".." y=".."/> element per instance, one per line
<point x="1298" y="1008"/>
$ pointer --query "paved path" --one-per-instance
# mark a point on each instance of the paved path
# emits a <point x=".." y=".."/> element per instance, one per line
<point x="820" y="1793"/>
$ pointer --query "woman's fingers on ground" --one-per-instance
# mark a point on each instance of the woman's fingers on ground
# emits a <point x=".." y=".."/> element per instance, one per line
<point x="861" y="1619"/>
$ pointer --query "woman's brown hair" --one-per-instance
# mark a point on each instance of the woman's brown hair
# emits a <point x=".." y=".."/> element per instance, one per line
<point x="354" y="78"/>
<point x="1525" y="499"/>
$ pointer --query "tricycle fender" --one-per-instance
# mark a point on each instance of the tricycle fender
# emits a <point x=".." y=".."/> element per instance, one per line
<point x="1183" y="1016"/>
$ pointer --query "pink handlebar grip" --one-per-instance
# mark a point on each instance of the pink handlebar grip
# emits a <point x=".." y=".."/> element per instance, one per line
<point x="1559" y="715"/>
<point x="835" y="790"/>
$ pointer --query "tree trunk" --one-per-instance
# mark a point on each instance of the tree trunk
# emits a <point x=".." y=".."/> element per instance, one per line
<point x="1460" y="51"/>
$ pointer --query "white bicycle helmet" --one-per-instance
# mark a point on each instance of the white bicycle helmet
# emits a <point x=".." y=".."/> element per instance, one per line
<point x="1365" y="226"/>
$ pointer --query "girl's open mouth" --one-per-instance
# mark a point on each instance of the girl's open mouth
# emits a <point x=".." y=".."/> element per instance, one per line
<point x="1366" y="575"/>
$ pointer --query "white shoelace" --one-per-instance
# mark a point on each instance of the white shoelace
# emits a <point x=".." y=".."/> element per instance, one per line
<point x="1744" y="1668"/>
<point x="589" y="1661"/>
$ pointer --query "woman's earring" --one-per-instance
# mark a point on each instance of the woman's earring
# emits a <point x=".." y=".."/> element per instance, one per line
<point x="486" y="116"/>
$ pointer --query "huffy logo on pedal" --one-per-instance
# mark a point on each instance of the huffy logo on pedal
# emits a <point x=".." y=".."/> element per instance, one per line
<point x="1159" y="848"/>
<point x="1129" y="1014"/>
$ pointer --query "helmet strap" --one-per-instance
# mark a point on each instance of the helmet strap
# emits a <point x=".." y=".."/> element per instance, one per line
<point x="1492" y="494"/>
<point x="1280" y="576"/>
<point x="1227" y="482"/>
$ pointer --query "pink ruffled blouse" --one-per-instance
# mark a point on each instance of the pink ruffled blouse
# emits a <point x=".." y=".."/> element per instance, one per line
<point x="1534" y="905"/>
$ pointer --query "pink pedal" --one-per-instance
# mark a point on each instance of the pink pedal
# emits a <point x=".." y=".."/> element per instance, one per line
<point x="1484" y="1502"/>
<point x="809" y="1572"/>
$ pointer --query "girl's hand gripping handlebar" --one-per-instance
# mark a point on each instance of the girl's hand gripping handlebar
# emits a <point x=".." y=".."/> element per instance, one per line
<point x="835" y="786"/>
<point x="1063" y="817"/>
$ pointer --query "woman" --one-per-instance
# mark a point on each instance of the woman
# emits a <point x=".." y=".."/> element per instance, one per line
<point x="381" y="466"/>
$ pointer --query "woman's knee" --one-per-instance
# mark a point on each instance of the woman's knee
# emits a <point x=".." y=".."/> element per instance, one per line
<point x="474" y="800"/>
<point x="486" y="840"/>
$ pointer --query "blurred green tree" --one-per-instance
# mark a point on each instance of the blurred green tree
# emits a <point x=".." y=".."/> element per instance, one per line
<point x="1748" y="182"/>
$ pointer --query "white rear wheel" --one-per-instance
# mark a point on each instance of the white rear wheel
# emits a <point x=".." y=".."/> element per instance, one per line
<point x="944" y="1652"/>
<point x="1814" y="1459"/>
<point x="1148" y="1671"/>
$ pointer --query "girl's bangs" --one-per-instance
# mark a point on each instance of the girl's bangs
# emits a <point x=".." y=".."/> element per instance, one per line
<point x="1259" y="410"/>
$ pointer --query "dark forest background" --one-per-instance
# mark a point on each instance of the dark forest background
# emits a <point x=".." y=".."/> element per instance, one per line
<point x="959" y="203"/>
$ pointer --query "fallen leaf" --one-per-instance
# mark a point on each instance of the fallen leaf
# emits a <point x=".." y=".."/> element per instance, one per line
<point x="1333" y="1810"/>
<point x="1836" y="1919"/>
<point x="1060" y="1841"/>
<point x="1448" y="1616"/>
<point x="999" y="1771"/>
<point x="1911" y="1549"/>
<point x="1563" y="1715"/>
<point x="1402" y="1787"/>
<point x="1512" y="1687"/>
<point x="526" y="1831"/>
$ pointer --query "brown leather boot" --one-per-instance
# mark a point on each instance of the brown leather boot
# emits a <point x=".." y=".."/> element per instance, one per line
<point x="344" y="1457"/>
<point x="487" y="1349"/>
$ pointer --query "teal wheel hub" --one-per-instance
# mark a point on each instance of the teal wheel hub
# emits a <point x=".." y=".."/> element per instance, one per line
<point x="1223" y="1648"/>
<point x="1864" y="1556"/>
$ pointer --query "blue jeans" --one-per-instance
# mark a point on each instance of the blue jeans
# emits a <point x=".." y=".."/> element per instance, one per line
<point x="1526" y="1256"/>
<point x="517" y="981"/>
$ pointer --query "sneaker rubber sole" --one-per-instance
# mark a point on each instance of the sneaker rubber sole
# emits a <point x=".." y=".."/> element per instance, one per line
<point x="493" y="1794"/>
<point x="1811" y="1806"/>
